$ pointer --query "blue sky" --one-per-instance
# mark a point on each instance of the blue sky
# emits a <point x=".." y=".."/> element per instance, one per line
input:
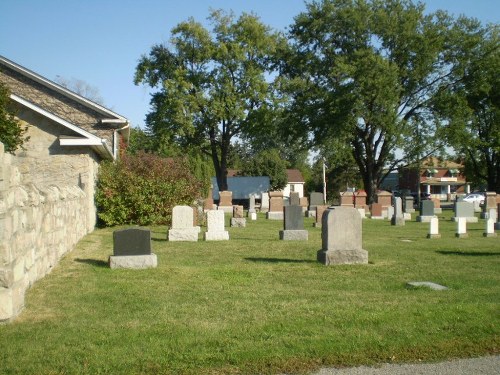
<point x="101" y="41"/>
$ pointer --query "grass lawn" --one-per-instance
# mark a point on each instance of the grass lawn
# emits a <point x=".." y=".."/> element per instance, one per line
<point x="256" y="304"/>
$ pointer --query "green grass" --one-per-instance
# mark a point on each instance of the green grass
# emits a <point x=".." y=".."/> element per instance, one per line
<point x="255" y="304"/>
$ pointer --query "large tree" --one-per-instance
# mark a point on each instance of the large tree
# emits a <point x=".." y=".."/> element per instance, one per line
<point x="472" y="106"/>
<point x="366" y="71"/>
<point x="209" y="83"/>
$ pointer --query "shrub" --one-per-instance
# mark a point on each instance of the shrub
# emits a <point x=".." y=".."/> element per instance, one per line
<point x="142" y="189"/>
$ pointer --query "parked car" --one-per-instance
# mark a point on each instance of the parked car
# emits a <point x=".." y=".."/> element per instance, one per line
<point x="475" y="197"/>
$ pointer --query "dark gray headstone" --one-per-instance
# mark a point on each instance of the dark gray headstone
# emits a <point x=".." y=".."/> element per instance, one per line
<point x="427" y="208"/>
<point x="294" y="218"/>
<point x="294" y="199"/>
<point x="315" y="199"/>
<point x="134" y="241"/>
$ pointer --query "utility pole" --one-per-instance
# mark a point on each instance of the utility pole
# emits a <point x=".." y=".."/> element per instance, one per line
<point x="324" y="182"/>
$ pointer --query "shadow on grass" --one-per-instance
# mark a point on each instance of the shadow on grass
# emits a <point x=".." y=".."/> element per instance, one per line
<point x="93" y="262"/>
<point x="280" y="260"/>
<point x="468" y="253"/>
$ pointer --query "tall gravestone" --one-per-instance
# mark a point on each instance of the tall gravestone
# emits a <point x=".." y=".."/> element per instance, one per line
<point x="226" y="201"/>
<point x="465" y="210"/>
<point x="293" y="225"/>
<point x="132" y="249"/>
<point x="182" y="225"/>
<point x="264" y="202"/>
<point x="434" y="228"/>
<point x="497" y="225"/>
<point x="461" y="231"/>
<point x="490" y="202"/>
<point x="208" y="204"/>
<point x="398" y="218"/>
<point x="384" y="198"/>
<point x="315" y="199"/>
<point x="341" y="235"/>
<point x="215" y="226"/>
<point x="252" y="213"/>
<point x="426" y="211"/>
<point x="347" y="199"/>
<point x="408" y="204"/>
<point x="275" y="205"/>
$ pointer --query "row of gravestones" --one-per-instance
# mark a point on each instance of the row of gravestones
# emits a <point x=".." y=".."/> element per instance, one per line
<point x="341" y="236"/>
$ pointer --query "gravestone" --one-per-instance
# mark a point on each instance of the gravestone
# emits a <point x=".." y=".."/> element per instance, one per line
<point x="384" y="198"/>
<point x="264" y="202"/>
<point x="341" y="235"/>
<point x="408" y="204"/>
<point x="275" y="205"/>
<point x="315" y="199"/>
<point x="461" y="231"/>
<point x="226" y="201"/>
<point x="376" y="211"/>
<point x="132" y="249"/>
<point x="497" y="225"/>
<point x="208" y="204"/>
<point x="294" y="198"/>
<point x="360" y="200"/>
<point x="252" y="213"/>
<point x="434" y="228"/>
<point x="215" y="226"/>
<point x="182" y="225"/>
<point x="490" y="202"/>
<point x="293" y="225"/>
<point x="489" y="230"/>
<point x="426" y="211"/>
<point x="304" y="203"/>
<point x="398" y="217"/>
<point x="347" y="199"/>
<point x="238" y="219"/>
<point x="319" y="215"/>
<point x="466" y="210"/>
<point x="437" y="206"/>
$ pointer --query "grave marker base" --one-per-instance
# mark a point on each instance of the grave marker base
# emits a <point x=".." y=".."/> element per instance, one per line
<point x="190" y="234"/>
<point x="294" y="235"/>
<point x="333" y="257"/>
<point x="133" y="261"/>
<point x="274" y="215"/>
<point x="216" y="236"/>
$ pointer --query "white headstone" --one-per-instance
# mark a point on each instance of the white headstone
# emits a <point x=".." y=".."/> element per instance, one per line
<point x="461" y="227"/>
<point x="264" y="202"/>
<point x="490" y="228"/>
<point x="215" y="226"/>
<point x="182" y="225"/>
<point x="434" y="228"/>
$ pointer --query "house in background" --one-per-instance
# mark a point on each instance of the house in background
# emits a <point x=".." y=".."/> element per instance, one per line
<point x="295" y="183"/>
<point x="47" y="189"/>
<point x="440" y="179"/>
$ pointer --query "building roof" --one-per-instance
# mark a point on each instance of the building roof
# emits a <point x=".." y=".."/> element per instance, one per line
<point x="435" y="162"/>
<point x="85" y="136"/>
<point x="294" y="176"/>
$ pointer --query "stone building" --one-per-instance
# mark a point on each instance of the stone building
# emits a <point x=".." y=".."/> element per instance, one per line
<point x="47" y="188"/>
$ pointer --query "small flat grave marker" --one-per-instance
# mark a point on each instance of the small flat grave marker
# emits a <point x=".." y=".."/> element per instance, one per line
<point x="426" y="284"/>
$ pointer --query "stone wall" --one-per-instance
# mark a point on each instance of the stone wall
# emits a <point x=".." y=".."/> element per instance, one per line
<point x="46" y="207"/>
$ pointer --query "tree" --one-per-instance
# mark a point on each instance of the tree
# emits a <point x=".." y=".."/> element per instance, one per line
<point x="472" y="106"/>
<point x="81" y="88"/>
<point x="366" y="71"/>
<point x="267" y="163"/>
<point x="11" y="131"/>
<point x="209" y="84"/>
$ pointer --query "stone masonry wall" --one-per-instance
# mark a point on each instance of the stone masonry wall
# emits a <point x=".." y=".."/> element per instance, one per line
<point x="46" y="207"/>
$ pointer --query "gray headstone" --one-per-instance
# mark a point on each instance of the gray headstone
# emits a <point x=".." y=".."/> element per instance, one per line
<point x="408" y="204"/>
<point x="133" y="241"/>
<point x="293" y="218"/>
<point x="294" y="199"/>
<point x="398" y="216"/>
<point x="215" y="226"/>
<point x="251" y="204"/>
<point x="342" y="237"/>
<point x="315" y="199"/>
<point x="464" y="209"/>
<point x="427" y="208"/>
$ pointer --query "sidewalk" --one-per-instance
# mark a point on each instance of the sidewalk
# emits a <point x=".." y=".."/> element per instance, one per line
<point x="471" y="366"/>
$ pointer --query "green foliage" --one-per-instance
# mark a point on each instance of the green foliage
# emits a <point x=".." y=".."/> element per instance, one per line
<point x="11" y="132"/>
<point x="472" y="106"/>
<point x="365" y="71"/>
<point x="209" y="84"/>
<point x="142" y="189"/>
<point x="267" y="163"/>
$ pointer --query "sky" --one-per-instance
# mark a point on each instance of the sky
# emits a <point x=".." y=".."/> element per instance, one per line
<point x="101" y="41"/>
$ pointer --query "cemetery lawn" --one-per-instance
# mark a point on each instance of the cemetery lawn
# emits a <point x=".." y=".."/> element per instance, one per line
<point x="256" y="304"/>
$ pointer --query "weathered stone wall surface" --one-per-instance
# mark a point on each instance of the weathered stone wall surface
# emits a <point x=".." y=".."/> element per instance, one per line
<point x="46" y="207"/>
